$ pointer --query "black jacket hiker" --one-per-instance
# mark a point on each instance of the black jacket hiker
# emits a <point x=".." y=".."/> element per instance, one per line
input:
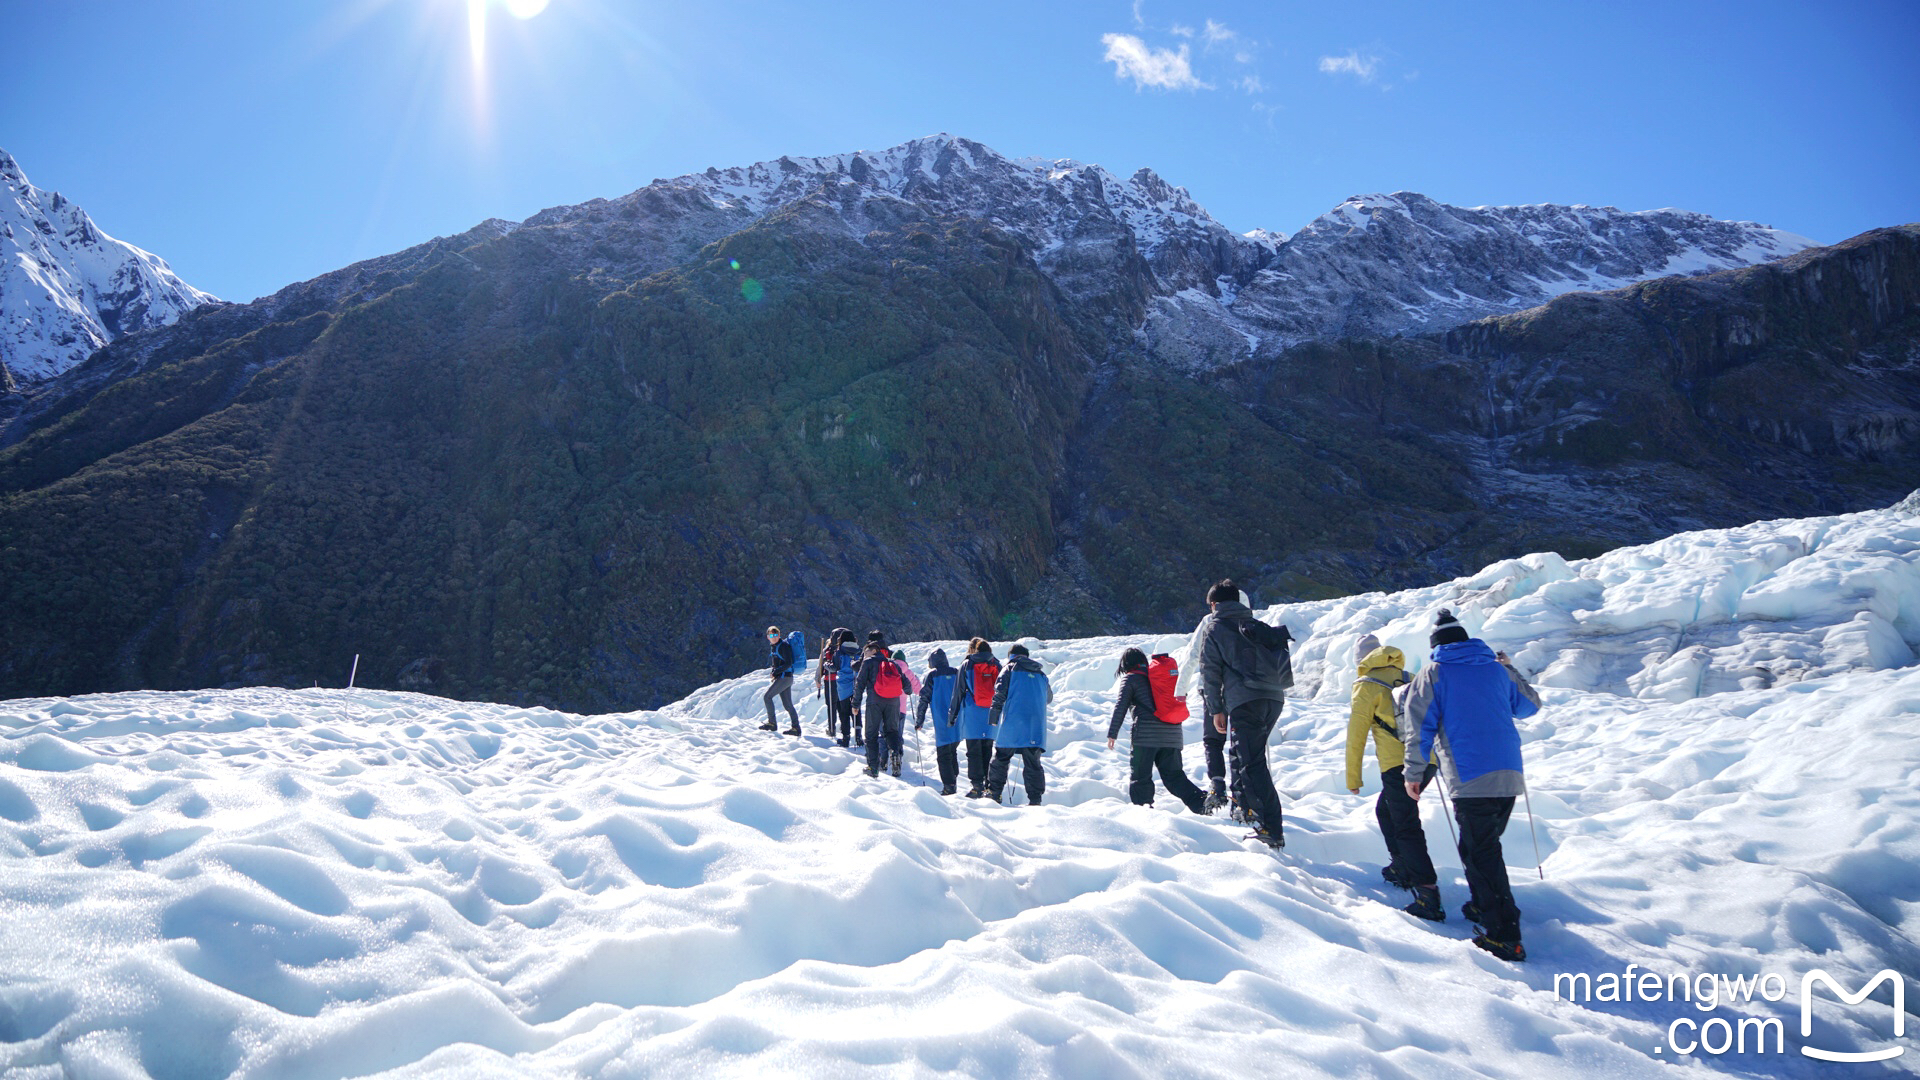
<point x="1156" y="744"/>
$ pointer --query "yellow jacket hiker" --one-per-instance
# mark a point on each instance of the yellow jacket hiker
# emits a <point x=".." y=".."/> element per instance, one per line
<point x="1372" y="700"/>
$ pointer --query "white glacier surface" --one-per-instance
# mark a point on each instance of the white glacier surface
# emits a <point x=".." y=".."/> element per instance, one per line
<point x="332" y="883"/>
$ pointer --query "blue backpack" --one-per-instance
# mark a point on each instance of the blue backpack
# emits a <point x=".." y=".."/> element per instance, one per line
<point x="847" y="672"/>
<point x="799" y="643"/>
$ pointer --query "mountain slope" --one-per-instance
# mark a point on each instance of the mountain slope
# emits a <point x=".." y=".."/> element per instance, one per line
<point x="66" y="288"/>
<point x="304" y="883"/>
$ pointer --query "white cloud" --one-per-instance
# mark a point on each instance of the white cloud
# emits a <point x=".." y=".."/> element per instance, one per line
<point x="1215" y="33"/>
<point x="1363" y="66"/>
<point x="1181" y="31"/>
<point x="1163" y="69"/>
<point x="1251" y="84"/>
<point x="1139" y="19"/>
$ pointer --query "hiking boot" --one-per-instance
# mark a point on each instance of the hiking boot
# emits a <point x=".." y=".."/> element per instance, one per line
<point x="770" y="726"/>
<point x="1511" y="951"/>
<point x="843" y="741"/>
<point x="1033" y="802"/>
<point x="1216" y="798"/>
<point x="1470" y="911"/>
<point x="794" y="730"/>
<point x="1271" y="839"/>
<point x="1239" y="814"/>
<point x="976" y="793"/>
<point x="1391" y="875"/>
<point x="992" y="796"/>
<point x="1426" y="904"/>
<point x="893" y="766"/>
<point x="872" y="770"/>
<point x="948" y="789"/>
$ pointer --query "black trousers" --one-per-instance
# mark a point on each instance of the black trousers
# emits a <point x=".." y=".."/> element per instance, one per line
<point x="783" y="688"/>
<point x="949" y="758"/>
<point x="1215" y="744"/>
<point x="1481" y="823"/>
<point x="1399" y="818"/>
<point x="883" y="726"/>
<point x="1250" y="726"/>
<point x="842" y="709"/>
<point x="979" y="762"/>
<point x="1173" y="773"/>
<point x="1031" y="773"/>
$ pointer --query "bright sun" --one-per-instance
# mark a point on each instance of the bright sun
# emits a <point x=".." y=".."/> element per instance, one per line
<point x="526" y="9"/>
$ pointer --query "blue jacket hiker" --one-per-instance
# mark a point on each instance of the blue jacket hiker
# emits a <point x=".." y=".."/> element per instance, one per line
<point x="972" y="710"/>
<point x="1460" y="713"/>
<point x="1020" y="701"/>
<point x="936" y="696"/>
<point x="780" y="661"/>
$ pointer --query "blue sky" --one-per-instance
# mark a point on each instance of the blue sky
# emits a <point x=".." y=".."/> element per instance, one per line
<point x="256" y="144"/>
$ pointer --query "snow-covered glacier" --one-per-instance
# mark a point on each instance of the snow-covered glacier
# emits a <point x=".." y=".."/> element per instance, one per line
<point x="330" y="883"/>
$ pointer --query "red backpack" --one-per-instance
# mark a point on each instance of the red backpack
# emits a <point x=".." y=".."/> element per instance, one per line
<point x="985" y="674"/>
<point x="887" y="682"/>
<point x="1163" y="674"/>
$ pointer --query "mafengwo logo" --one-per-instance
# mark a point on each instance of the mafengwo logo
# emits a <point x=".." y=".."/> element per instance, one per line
<point x="1717" y="1035"/>
<point x="1817" y="976"/>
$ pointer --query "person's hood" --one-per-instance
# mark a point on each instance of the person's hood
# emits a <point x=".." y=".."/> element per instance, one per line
<point x="1024" y="663"/>
<point x="1470" y="651"/>
<point x="937" y="663"/>
<point x="1234" y="611"/>
<point x="850" y="647"/>
<point x="1384" y="661"/>
<point x="984" y="654"/>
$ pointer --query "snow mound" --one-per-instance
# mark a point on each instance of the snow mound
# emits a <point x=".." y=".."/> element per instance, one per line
<point x="332" y="883"/>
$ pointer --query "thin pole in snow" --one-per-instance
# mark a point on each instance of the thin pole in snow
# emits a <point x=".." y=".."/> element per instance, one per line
<point x="1535" y="835"/>
<point x="355" y="673"/>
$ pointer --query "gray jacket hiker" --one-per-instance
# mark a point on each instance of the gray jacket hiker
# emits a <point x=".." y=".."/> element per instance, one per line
<point x="1221" y="687"/>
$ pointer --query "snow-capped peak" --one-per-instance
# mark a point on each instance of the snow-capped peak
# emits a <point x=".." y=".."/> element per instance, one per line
<point x="67" y="288"/>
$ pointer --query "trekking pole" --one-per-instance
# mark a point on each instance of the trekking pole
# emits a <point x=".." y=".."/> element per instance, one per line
<point x="1536" y="836"/>
<point x="1446" y="809"/>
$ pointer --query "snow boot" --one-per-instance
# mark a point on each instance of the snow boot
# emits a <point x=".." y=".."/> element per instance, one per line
<point x="975" y="793"/>
<point x="1470" y="911"/>
<point x="949" y="789"/>
<point x="1392" y="876"/>
<point x="794" y="730"/>
<point x="872" y="770"/>
<point x="893" y="766"/>
<point x="1511" y="951"/>
<point x="1271" y="839"/>
<point x="1217" y="798"/>
<point x="991" y="796"/>
<point x="770" y="726"/>
<point x="1426" y="904"/>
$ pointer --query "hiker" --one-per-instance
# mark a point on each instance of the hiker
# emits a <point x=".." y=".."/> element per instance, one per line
<point x="936" y="694"/>
<point x="1461" y="708"/>
<point x="1381" y="671"/>
<point x="972" y="710"/>
<point x="780" y="660"/>
<point x="1244" y="680"/>
<point x="881" y="685"/>
<point x="836" y="679"/>
<point x="906" y="669"/>
<point x="1019" y="712"/>
<point x="1157" y="732"/>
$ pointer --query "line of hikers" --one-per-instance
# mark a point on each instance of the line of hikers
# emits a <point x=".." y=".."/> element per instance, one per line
<point x="1454" y="719"/>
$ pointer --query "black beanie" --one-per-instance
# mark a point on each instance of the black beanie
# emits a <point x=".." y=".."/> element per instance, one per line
<point x="1446" y="630"/>
<point x="875" y="637"/>
<point x="1018" y="650"/>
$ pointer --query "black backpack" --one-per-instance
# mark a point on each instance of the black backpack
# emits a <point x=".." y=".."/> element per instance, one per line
<point x="1260" y="654"/>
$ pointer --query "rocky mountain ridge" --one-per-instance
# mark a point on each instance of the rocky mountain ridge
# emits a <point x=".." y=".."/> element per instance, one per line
<point x="67" y="288"/>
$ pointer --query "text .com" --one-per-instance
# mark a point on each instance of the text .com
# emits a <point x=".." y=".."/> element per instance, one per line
<point x="1715" y="1035"/>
